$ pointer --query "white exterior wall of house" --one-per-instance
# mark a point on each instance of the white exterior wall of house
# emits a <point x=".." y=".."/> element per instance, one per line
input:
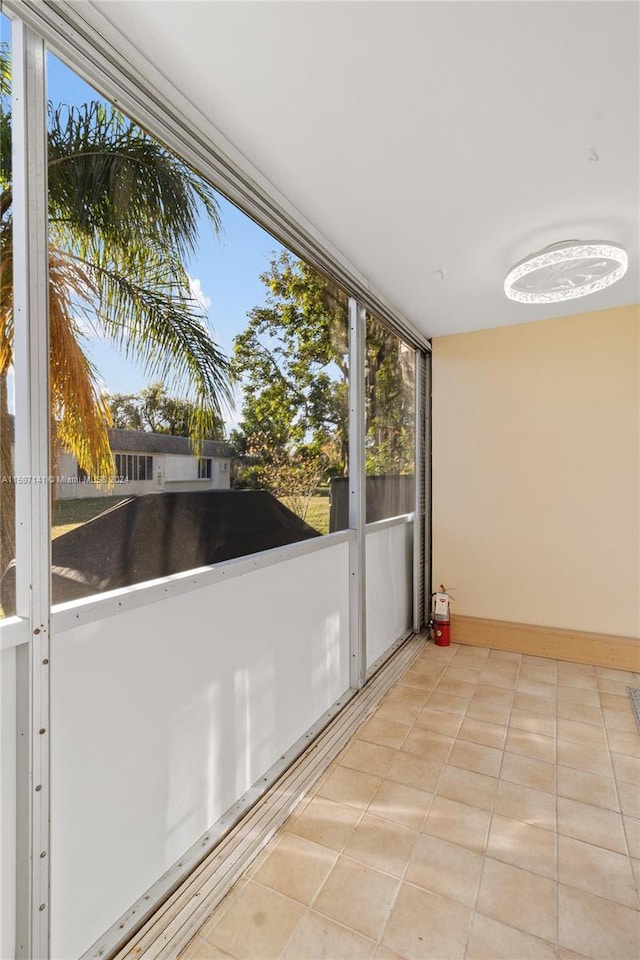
<point x="171" y="473"/>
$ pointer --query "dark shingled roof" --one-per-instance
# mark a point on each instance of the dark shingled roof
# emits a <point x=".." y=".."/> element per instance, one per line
<point x="158" y="534"/>
<point x="137" y="441"/>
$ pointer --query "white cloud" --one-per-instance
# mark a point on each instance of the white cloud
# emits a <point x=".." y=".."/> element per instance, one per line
<point x="198" y="294"/>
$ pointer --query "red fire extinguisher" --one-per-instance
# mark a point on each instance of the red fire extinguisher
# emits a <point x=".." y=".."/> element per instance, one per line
<point x="442" y="617"/>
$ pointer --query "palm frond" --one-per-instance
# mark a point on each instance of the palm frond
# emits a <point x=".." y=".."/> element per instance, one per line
<point x="79" y="411"/>
<point x="110" y="183"/>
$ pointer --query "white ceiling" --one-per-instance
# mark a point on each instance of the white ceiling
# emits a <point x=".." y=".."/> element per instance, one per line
<point x="432" y="143"/>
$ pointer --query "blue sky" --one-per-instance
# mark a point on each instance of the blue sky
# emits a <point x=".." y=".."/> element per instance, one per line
<point x="226" y="269"/>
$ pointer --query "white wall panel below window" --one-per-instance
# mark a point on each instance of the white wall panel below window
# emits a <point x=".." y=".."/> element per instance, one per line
<point x="389" y="566"/>
<point x="164" y="716"/>
<point x="8" y="737"/>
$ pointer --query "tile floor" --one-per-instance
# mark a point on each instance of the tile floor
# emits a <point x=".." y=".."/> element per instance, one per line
<point x="489" y="808"/>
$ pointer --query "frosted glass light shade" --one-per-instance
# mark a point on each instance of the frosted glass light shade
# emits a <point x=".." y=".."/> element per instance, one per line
<point x="566" y="271"/>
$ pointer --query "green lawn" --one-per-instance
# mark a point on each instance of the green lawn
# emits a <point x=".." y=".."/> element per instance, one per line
<point x="318" y="513"/>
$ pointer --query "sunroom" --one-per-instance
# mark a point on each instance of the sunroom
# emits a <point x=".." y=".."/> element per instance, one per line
<point x="280" y="232"/>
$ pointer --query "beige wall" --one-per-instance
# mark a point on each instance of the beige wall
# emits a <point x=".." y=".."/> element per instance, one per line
<point x="536" y="473"/>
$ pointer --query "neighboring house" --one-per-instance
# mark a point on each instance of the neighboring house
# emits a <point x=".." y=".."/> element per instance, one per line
<point x="149" y="463"/>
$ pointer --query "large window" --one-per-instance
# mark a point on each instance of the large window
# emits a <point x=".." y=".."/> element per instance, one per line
<point x="174" y="314"/>
<point x="133" y="466"/>
<point x="390" y="406"/>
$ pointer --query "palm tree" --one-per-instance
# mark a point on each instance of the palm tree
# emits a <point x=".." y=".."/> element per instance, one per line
<point x="123" y="219"/>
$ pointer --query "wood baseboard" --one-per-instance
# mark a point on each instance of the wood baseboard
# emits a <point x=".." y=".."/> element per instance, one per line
<point x="599" y="649"/>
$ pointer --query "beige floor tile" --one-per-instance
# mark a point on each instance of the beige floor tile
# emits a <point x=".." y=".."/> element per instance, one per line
<point x="499" y="678"/>
<point x="518" y="898"/>
<point x="522" y="803"/>
<point x="529" y="772"/>
<point x="407" y="695"/>
<point x="468" y="787"/>
<point x="415" y="772"/>
<point x="624" y="741"/>
<point x="632" y="830"/>
<point x="575" y="672"/>
<point x="598" y="871"/>
<point x="505" y="656"/>
<point x="540" y="688"/>
<point x="426" y="660"/>
<point x="383" y="845"/>
<point x="528" y="744"/>
<point x="629" y="799"/>
<point x="567" y="710"/>
<point x="358" y="897"/>
<point x="479" y="731"/>
<point x="437" y="721"/>
<point x="349" y="786"/>
<point x="545" y="671"/>
<point x="258" y="925"/>
<point x="582" y="821"/>
<point x="446" y="703"/>
<point x="325" y="822"/>
<point x="626" y="768"/>
<point x="594" y="759"/>
<point x="586" y="734"/>
<point x="458" y="823"/>
<point x="318" y="938"/>
<point x="615" y="720"/>
<point x="199" y="949"/>
<point x="491" y="940"/>
<point x="564" y="954"/>
<point x="386" y="733"/>
<point x="427" y="745"/>
<point x="367" y="757"/>
<point x="417" y="678"/>
<point x="569" y="694"/>
<point x="490" y="712"/>
<point x="400" y="712"/>
<point x="384" y="953"/>
<point x="533" y="723"/>
<point x="468" y="674"/>
<point x="597" y="928"/>
<point x="474" y="756"/>
<point x="619" y="687"/>
<point x="455" y="688"/>
<point x="502" y="696"/>
<point x="522" y="845"/>
<point x="587" y="787"/>
<point x="467" y="653"/>
<point x="529" y="702"/>
<point x="622" y="676"/>
<point x="296" y="867"/>
<point x="636" y="870"/>
<point x="445" y="868"/>
<point x="426" y="926"/>
<point x="401" y="804"/>
<point x="613" y="701"/>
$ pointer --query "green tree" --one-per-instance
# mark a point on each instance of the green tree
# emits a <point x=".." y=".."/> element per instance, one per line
<point x="153" y="409"/>
<point x="292" y="363"/>
<point x="123" y="218"/>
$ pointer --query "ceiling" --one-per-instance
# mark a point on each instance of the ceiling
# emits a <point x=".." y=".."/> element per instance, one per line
<point x="433" y="144"/>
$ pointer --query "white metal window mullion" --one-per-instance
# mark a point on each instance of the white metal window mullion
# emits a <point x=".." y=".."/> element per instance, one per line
<point x="357" y="497"/>
<point x="32" y="461"/>
<point x="418" y="509"/>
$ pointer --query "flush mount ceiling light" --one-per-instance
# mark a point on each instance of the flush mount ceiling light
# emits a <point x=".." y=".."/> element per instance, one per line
<point x="566" y="271"/>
